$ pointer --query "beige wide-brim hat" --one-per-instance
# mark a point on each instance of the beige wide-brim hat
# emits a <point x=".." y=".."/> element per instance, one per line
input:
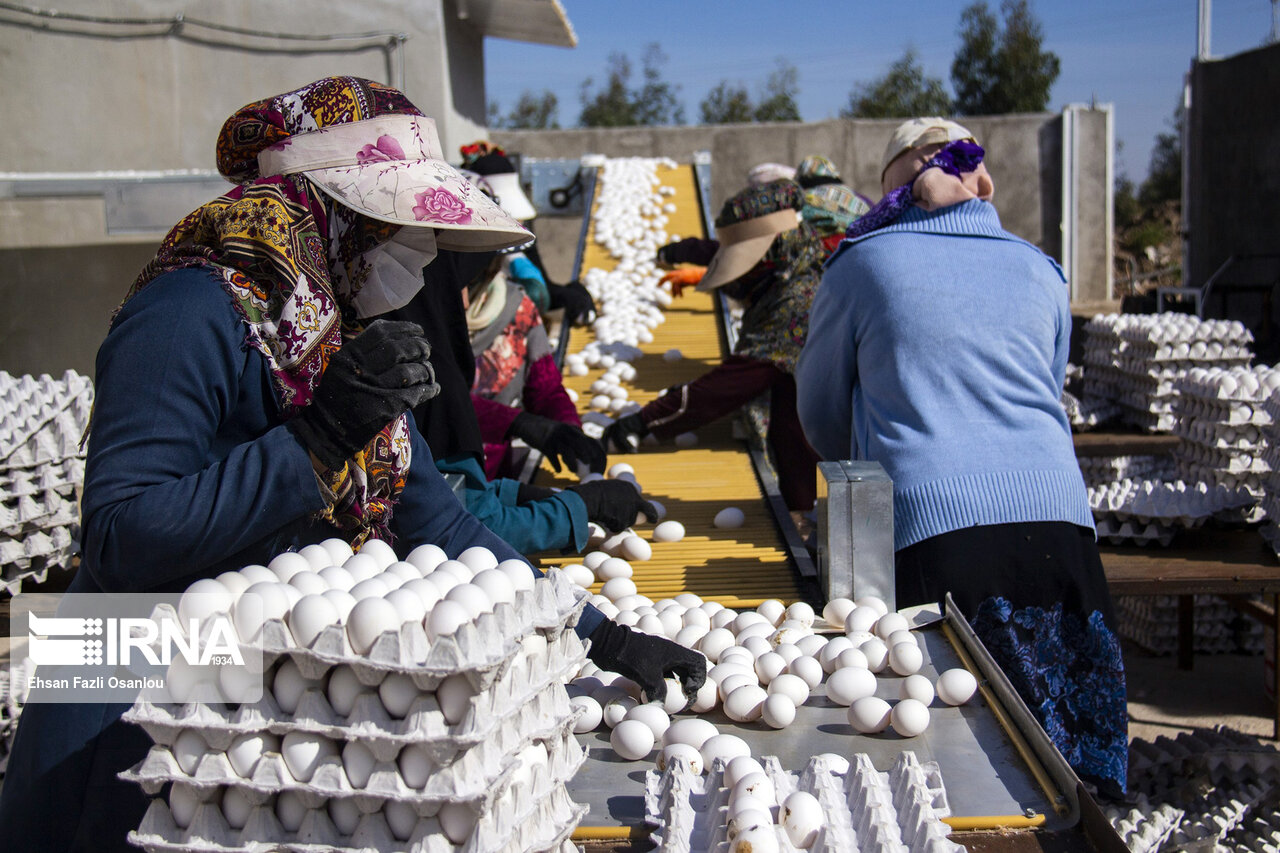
<point x="919" y="132"/>
<point x="743" y="244"/>
<point x="391" y="168"/>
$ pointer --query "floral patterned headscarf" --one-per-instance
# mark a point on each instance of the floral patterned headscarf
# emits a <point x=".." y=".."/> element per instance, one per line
<point x="291" y="259"/>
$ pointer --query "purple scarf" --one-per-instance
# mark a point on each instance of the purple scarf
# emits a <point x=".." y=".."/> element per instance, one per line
<point x="954" y="159"/>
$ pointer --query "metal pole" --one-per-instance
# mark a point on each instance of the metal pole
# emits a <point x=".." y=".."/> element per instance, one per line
<point x="1204" y="24"/>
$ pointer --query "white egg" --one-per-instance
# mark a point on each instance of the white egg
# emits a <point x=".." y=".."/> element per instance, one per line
<point x="631" y="739"/>
<point x="723" y="747"/>
<point x="233" y="582"/>
<point x="956" y="686"/>
<point x="403" y="572"/>
<point x="778" y="711"/>
<point x="472" y="598"/>
<point x="454" y="695"/>
<point x="337" y="578"/>
<point x="374" y="587"/>
<point x="188" y="749"/>
<point x="496" y="585"/>
<point x="901" y="637"/>
<point x="890" y="622"/>
<point x="339" y="551"/>
<point x="917" y="687"/>
<point x="401" y="818"/>
<point x="743" y="705"/>
<point x="876" y="604"/>
<point x="691" y="731"/>
<point x="802" y="612"/>
<point x="846" y="686"/>
<point x="478" y="558"/>
<point x="397" y="692"/>
<point x="317" y="555"/>
<point x="415" y="765"/>
<point x="756" y="839"/>
<point x="869" y="714"/>
<point x="361" y="566"/>
<point x="635" y="548"/>
<point x="259" y="604"/>
<point x="343" y="689"/>
<point x="909" y="717"/>
<point x="755" y="785"/>
<point x="288" y="564"/>
<point x="245" y="751"/>
<point x="520" y="573"/>
<point x="851" y="657"/>
<point x="808" y="669"/>
<point x="686" y="440"/>
<point x="358" y="763"/>
<point x="668" y="531"/>
<point x="288" y="686"/>
<point x="258" y="574"/>
<point x="706" y="698"/>
<point x="591" y="715"/>
<point x="345" y="814"/>
<point x="303" y="752"/>
<point x="381" y="552"/>
<point x="236" y="807"/>
<point x="426" y="557"/>
<point x="792" y="686"/>
<point x="831" y="651"/>
<point x="836" y="610"/>
<point x="183" y="802"/>
<point x="683" y="751"/>
<point x="617" y="588"/>
<point x="614" y="710"/>
<point x="801" y="817"/>
<point x="905" y="658"/>
<point x="203" y="599"/>
<point x="310" y="616"/>
<point x="457" y="820"/>
<point x="652" y="715"/>
<point x="729" y="518"/>
<point x="369" y="620"/>
<point x="877" y="654"/>
<point x="860" y="619"/>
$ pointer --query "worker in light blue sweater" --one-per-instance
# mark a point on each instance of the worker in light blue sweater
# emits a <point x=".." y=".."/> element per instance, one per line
<point x="937" y="346"/>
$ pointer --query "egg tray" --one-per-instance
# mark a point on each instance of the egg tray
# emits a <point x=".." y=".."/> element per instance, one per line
<point x="21" y="514"/>
<point x="36" y="571"/>
<point x="1248" y="438"/>
<point x="368" y="722"/>
<point x="1260" y="832"/>
<point x="1143" y="826"/>
<point x="1088" y="414"/>
<point x="1177" y="503"/>
<point x="1253" y="483"/>
<point x="1100" y="470"/>
<point x="1221" y="460"/>
<point x="477" y="776"/>
<point x="1225" y="412"/>
<point x="1174" y="326"/>
<point x="1118" y="532"/>
<point x="38" y="548"/>
<point x="65" y="477"/>
<point x="863" y="810"/>
<point x="537" y="816"/>
<point x="28" y="404"/>
<point x="1140" y="402"/>
<point x="1147" y="421"/>
<point x="479" y="649"/>
<point x="56" y="440"/>
<point x="1213" y="384"/>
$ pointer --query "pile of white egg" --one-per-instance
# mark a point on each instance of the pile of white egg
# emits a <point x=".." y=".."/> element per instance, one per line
<point x="762" y="665"/>
<point x="397" y="694"/>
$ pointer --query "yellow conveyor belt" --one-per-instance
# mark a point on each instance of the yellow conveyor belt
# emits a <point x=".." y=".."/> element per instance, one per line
<point x="739" y="567"/>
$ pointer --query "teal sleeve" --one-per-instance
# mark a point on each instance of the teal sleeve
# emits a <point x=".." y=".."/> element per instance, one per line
<point x="557" y="522"/>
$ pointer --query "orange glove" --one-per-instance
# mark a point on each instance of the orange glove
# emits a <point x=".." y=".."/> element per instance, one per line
<point x="687" y="276"/>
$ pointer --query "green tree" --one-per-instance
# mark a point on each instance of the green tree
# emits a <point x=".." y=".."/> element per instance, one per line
<point x="618" y="105"/>
<point x="902" y="92"/>
<point x="1002" y="69"/>
<point x="531" y="112"/>
<point x="1164" y="174"/>
<point x="726" y="104"/>
<point x="779" y="100"/>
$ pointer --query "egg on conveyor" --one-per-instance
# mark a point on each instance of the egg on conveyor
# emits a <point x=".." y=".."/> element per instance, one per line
<point x="846" y="686"/>
<point x="729" y="518"/>
<point x="869" y="714"/>
<point x="632" y="739"/>
<point x="917" y="687"/>
<point x="956" y="686"/>
<point x="909" y="717"/>
<point x="778" y="711"/>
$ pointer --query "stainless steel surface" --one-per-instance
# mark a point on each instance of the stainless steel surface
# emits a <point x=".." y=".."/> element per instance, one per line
<point x="981" y="768"/>
<point x="855" y="531"/>
<point x="564" y="177"/>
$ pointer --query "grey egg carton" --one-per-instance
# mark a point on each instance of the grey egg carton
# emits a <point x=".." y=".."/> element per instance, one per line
<point x="480" y="649"/>
<point x="1243" y="384"/>
<point x="514" y="705"/>
<point x="1177" y="503"/>
<point x="863" y="810"/>
<point x="34" y="570"/>
<point x="1150" y="403"/>
<point x="37" y="511"/>
<point x="1247" y="438"/>
<point x="1103" y="470"/>
<point x="1205" y="827"/>
<point x="36" y="550"/>
<point x="1156" y="767"/>
<point x="1148" y="421"/>
<point x="523" y="819"/>
<point x="476" y="776"/>
<point x="55" y="439"/>
<point x="65" y="477"/>
<point x="1252" y="482"/>
<point x="28" y="405"/>
<point x="1088" y="413"/>
<point x="1260" y="832"/>
<point x="1142" y="825"/>
<point x="1118" y="532"/>
<point x="1226" y="412"/>
<point x="1227" y="461"/>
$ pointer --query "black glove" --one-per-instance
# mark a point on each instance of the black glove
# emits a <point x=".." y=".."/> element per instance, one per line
<point x="646" y="660"/>
<point x="616" y="435"/>
<point x="526" y="493"/>
<point x="555" y="440"/>
<point x="579" y="307"/>
<point x="372" y="380"/>
<point x="614" y="504"/>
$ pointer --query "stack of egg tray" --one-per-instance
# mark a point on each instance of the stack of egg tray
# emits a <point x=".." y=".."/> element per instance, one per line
<point x="1205" y="790"/>
<point x="1151" y="511"/>
<point x="863" y="810"/>
<point x="1134" y="359"/>
<point x="1103" y="470"/>
<point x="520" y="702"/>
<point x="1221" y="418"/>
<point x="13" y="695"/>
<point x="1271" y="481"/>
<point x="1151" y="621"/>
<point x="41" y="473"/>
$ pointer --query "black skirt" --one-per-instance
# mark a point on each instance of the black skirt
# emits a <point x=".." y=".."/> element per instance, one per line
<point x="1036" y="596"/>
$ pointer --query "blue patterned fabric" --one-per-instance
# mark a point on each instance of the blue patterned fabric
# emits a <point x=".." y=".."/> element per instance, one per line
<point x="1070" y="672"/>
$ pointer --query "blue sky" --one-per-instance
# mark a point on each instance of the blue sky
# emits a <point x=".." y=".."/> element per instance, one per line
<point x="1131" y="53"/>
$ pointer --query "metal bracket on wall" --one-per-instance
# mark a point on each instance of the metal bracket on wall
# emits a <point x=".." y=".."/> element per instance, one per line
<point x="557" y="187"/>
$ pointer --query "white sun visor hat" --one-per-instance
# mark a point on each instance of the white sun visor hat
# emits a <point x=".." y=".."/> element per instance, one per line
<point x="919" y="132"/>
<point x="392" y="168"/>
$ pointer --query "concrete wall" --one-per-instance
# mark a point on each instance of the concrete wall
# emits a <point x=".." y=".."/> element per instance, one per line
<point x="1234" y="153"/>
<point x="81" y="103"/>
<point x="1024" y="156"/>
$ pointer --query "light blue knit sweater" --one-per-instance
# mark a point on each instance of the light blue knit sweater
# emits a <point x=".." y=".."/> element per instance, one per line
<point x="938" y="346"/>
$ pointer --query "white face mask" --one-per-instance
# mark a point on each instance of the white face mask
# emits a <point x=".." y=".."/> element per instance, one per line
<point x="395" y="271"/>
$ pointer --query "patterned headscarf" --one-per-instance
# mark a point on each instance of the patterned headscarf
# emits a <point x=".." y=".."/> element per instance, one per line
<point x="291" y="259"/>
<point x="815" y="170"/>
